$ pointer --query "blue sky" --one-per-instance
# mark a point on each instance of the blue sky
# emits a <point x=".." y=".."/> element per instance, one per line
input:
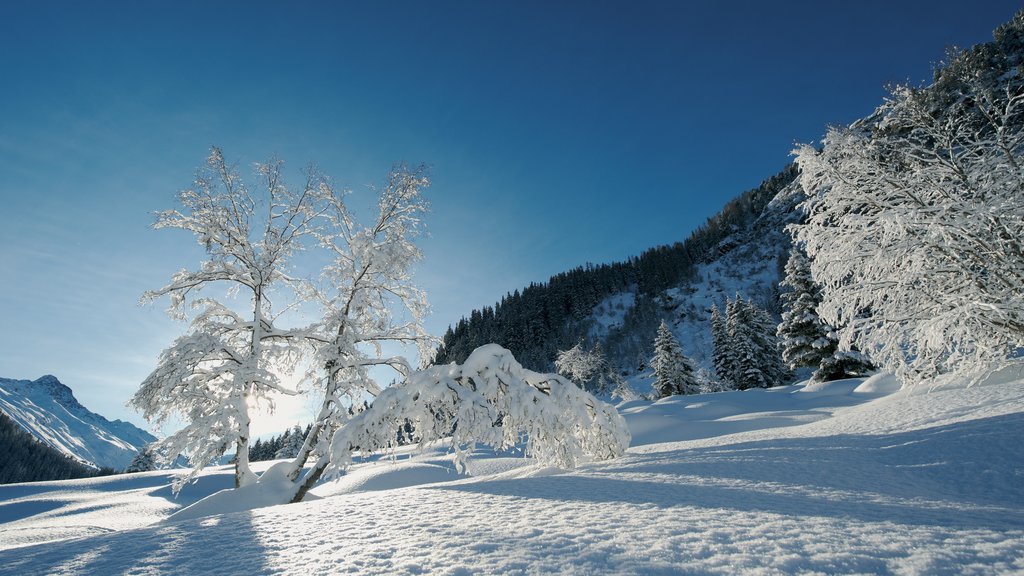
<point x="558" y="133"/>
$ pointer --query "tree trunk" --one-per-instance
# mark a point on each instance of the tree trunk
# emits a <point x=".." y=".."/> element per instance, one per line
<point x="310" y="479"/>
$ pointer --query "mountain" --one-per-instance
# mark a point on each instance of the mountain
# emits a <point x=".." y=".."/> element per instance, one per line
<point x="49" y="411"/>
<point x="740" y="250"/>
<point x="25" y="459"/>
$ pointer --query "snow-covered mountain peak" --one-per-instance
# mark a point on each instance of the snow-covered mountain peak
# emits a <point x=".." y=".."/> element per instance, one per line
<point x="57" y="390"/>
<point x="48" y="410"/>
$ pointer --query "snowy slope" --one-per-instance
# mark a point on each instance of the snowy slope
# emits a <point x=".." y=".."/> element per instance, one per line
<point x="747" y="262"/>
<point x="49" y="411"/>
<point x="846" y="477"/>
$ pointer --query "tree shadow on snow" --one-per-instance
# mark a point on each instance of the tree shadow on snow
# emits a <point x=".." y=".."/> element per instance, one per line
<point x="190" y="547"/>
<point x="965" y="475"/>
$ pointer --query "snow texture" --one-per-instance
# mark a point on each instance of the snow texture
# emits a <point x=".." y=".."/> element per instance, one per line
<point x="48" y="410"/>
<point x="843" y="477"/>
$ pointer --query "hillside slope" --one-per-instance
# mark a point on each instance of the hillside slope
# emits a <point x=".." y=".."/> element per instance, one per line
<point x="620" y="305"/>
<point x="49" y="411"/>
<point x="25" y="459"/>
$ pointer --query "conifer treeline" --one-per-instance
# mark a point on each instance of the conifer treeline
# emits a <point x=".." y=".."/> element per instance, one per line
<point x="284" y="446"/>
<point x="25" y="459"/>
<point x="545" y="317"/>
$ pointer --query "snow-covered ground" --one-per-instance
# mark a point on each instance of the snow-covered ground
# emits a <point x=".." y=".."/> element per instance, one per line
<point x="848" y="477"/>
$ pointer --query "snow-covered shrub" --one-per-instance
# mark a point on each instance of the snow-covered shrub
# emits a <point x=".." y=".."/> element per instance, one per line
<point x="491" y="400"/>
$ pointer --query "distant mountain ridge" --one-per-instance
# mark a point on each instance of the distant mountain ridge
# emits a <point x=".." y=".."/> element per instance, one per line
<point x="49" y="411"/>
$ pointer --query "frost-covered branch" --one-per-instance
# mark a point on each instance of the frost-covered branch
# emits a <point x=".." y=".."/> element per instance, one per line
<point x="916" y="226"/>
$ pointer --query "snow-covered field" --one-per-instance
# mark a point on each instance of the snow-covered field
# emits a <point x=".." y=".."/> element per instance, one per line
<point x="848" y="477"/>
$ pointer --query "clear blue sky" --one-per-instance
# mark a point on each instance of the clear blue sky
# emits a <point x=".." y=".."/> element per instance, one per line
<point x="559" y="133"/>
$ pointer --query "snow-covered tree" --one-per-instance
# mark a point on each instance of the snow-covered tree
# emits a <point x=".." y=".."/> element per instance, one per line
<point x="491" y="400"/>
<point x="579" y="364"/>
<point x="673" y="372"/>
<point x="144" y="461"/>
<point x="722" y="356"/>
<point x="842" y="364"/>
<point x="803" y="337"/>
<point x="371" y="309"/>
<point x="291" y="443"/>
<point x="591" y="369"/>
<point x="370" y="303"/>
<point x="915" y="223"/>
<point x="229" y="359"/>
<point x="620" y="387"/>
<point x="746" y="350"/>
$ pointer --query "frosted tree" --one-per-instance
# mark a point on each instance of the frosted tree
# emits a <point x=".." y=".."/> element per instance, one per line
<point x="591" y="369"/>
<point x="291" y="443"/>
<point x="723" y="356"/>
<point x="674" y="373"/>
<point x="370" y="303"/>
<point x="915" y="223"/>
<point x="144" y="461"/>
<point x="492" y="400"/>
<point x="746" y="350"/>
<point x="579" y="364"/>
<point x="229" y="359"/>
<point x="843" y="364"/>
<point x="803" y="337"/>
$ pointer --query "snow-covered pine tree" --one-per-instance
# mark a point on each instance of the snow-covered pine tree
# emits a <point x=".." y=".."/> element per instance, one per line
<point x="917" y="217"/>
<point x="803" y="337"/>
<point x="291" y="443"/>
<point x="842" y="364"/>
<point x="744" y="370"/>
<point x="723" y="357"/>
<point x="144" y="461"/>
<point x="753" y="350"/>
<point x="767" y="345"/>
<point x="674" y="373"/>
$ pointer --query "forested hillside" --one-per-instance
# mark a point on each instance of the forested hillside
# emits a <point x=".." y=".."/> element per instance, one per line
<point x="25" y="459"/>
<point x="620" y="305"/>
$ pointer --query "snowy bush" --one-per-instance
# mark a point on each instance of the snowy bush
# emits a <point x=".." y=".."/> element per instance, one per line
<point x="492" y="400"/>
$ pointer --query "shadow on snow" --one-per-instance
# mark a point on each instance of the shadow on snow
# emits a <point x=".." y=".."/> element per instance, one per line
<point x="963" y="475"/>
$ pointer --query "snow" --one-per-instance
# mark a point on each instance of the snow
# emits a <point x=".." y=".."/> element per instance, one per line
<point x="854" y="476"/>
<point x="610" y="314"/>
<point x="48" y="410"/>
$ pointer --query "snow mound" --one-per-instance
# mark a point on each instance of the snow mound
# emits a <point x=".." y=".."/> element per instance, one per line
<point x="882" y="383"/>
<point x="387" y="476"/>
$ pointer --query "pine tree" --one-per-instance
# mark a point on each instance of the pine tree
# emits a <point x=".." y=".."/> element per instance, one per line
<point x="843" y="364"/>
<point x="144" y="461"/>
<point x="673" y="371"/>
<point x="747" y="354"/>
<point x="804" y="338"/>
<point x="291" y="443"/>
<point x="723" y="353"/>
